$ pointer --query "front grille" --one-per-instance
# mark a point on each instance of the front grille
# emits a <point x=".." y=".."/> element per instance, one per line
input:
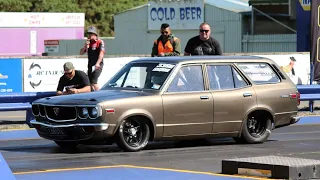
<point x="61" y="113"/>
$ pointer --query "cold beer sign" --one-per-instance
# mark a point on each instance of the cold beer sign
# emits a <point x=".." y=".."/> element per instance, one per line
<point x="182" y="14"/>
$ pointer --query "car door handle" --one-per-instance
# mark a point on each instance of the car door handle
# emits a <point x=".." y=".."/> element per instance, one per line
<point x="204" y="97"/>
<point x="247" y="94"/>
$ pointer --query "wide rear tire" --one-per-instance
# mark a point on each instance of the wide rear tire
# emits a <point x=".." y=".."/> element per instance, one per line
<point x="256" y="129"/>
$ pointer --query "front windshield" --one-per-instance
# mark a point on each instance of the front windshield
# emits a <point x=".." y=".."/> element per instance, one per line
<point x="141" y="76"/>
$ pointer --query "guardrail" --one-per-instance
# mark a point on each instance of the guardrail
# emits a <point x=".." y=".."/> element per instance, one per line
<point x="309" y="93"/>
<point x="22" y="101"/>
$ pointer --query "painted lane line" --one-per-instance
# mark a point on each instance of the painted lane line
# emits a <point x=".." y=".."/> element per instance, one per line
<point x="193" y="172"/>
<point x="68" y="169"/>
<point x="141" y="167"/>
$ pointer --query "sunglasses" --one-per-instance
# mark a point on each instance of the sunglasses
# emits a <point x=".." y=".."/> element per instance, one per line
<point x="164" y="32"/>
<point x="203" y="30"/>
<point x="67" y="73"/>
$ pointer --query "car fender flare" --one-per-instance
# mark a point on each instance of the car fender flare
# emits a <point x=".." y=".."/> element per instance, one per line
<point x="136" y="112"/>
<point x="257" y="108"/>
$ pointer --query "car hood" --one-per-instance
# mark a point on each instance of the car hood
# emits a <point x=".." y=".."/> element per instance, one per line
<point x="92" y="97"/>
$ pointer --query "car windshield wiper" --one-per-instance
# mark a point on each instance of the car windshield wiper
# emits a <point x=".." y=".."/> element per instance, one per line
<point x="112" y="84"/>
<point x="132" y="86"/>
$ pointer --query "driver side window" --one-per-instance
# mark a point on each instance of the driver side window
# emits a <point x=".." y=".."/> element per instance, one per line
<point x="131" y="79"/>
<point x="189" y="78"/>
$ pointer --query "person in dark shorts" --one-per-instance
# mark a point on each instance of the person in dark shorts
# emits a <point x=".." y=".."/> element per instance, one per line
<point x="95" y="49"/>
<point x="203" y="44"/>
<point x="73" y="81"/>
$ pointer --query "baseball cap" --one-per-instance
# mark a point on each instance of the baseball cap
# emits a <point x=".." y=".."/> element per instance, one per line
<point x="93" y="30"/>
<point x="68" y="66"/>
<point x="293" y="59"/>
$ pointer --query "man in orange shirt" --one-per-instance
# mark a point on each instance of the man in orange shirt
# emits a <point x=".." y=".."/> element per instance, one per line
<point x="166" y="44"/>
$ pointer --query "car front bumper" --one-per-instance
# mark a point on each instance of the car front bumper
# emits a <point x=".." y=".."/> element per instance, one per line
<point x="96" y="126"/>
<point x="72" y="132"/>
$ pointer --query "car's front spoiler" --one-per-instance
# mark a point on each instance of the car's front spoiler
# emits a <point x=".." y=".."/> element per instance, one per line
<point x="96" y="126"/>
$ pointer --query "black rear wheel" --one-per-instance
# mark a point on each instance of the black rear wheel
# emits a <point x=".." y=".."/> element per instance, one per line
<point x="256" y="128"/>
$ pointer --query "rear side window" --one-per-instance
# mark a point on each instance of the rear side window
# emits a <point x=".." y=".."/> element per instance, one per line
<point x="224" y="77"/>
<point x="260" y="73"/>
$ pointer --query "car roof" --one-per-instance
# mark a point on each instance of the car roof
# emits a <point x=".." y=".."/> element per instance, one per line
<point x="182" y="59"/>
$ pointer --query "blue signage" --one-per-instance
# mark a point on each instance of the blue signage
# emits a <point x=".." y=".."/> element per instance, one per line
<point x="303" y="25"/>
<point x="10" y="75"/>
<point x="163" y="14"/>
<point x="178" y="14"/>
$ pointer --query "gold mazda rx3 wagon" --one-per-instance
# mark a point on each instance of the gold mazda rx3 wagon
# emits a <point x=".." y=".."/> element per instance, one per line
<point x="174" y="98"/>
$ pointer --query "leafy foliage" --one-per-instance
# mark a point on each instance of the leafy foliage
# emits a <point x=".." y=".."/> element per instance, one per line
<point x="98" y="13"/>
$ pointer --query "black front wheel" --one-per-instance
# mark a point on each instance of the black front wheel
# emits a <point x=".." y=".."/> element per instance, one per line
<point x="133" y="135"/>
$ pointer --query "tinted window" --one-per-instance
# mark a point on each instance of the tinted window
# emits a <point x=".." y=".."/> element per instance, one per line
<point x="260" y="73"/>
<point x="224" y="77"/>
<point x="189" y="78"/>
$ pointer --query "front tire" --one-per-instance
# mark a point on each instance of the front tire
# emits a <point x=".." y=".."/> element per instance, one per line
<point x="256" y="128"/>
<point x="133" y="135"/>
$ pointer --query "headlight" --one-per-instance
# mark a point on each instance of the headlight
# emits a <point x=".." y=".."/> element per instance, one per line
<point x="93" y="112"/>
<point x="83" y="112"/>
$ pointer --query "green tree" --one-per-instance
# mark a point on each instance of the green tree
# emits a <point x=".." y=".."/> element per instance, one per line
<point x="100" y="13"/>
<point x="54" y="6"/>
<point x="15" y="5"/>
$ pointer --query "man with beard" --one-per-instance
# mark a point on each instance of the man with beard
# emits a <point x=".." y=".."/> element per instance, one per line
<point x="166" y="44"/>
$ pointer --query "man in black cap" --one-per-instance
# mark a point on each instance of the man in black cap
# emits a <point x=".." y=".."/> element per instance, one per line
<point x="95" y="49"/>
<point x="73" y="81"/>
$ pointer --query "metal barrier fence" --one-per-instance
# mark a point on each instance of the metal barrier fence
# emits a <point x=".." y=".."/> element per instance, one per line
<point x="22" y="101"/>
<point x="309" y="93"/>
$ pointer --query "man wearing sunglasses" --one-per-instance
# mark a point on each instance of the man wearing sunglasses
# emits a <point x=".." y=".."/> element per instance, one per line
<point x="203" y="44"/>
<point x="166" y="44"/>
<point x="95" y="49"/>
<point x="73" y="81"/>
